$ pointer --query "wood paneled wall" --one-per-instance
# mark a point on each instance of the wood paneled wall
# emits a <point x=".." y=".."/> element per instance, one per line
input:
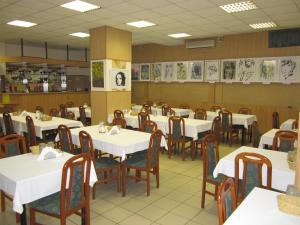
<point x="262" y="99"/>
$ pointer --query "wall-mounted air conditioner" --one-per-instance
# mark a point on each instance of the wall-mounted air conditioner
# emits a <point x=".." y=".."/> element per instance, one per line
<point x="207" y="43"/>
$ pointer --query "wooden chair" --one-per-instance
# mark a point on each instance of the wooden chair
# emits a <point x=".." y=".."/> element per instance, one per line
<point x="216" y="128"/>
<point x="146" y="108"/>
<point x="39" y="108"/>
<point x="147" y="161"/>
<point x="165" y="109"/>
<point x="255" y="137"/>
<point x="1" y="130"/>
<point x="142" y="117"/>
<point x="200" y="114"/>
<point x="149" y="102"/>
<point x="118" y="114"/>
<point x="275" y="120"/>
<point x="184" y="106"/>
<point x="70" y="104"/>
<point x="227" y="128"/>
<point x="54" y="112"/>
<point x="65" y="140"/>
<point x="31" y="135"/>
<point x="119" y="121"/>
<point x="11" y="145"/>
<point x="70" y="116"/>
<point x="82" y="116"/>
<point x="284" y="140"/>
<point x="210" y="160"/>
<point x="295" y="125"/>
<point x="104" y="165"/>
<point x="9" y="128"/>
<point x="149" y="126"/>
<point x="177" y="138"/>
<point x="63" y="111"/>
<point x="245" y="111"/>
<point x="226" y="200"/>
<point x="73" y="196"/>
<point x="252" y="164"/>
<point x="214" y="108"/>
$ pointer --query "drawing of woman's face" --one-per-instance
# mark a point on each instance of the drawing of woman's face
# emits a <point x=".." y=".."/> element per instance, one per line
<point x="120" y="79"/>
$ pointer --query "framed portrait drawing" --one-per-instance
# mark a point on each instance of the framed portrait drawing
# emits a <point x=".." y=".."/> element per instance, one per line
<point x="144" y="72"/>
<point x="119" y="79"/>
<point x="228" y="70"/>
<point x="196" y="71"/>
<point x="135" y="71"/>
<point x="212" y="70"/>
<point x="168" y="71"/>
<point x="181" y="71"/>
<point x="288" y="70"/>
<point x="246" y="70"/>
<point x="97" y="74"/>
<point x="155" y="71"/>
<point x="267" y="68"/>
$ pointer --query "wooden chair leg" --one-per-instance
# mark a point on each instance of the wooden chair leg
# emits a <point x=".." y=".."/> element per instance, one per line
<point x="216" y="192"/>
<point x="118" y="178"/>
<point x="193" y="150"/>
<point x="183" y="150"/>
<point x="2" y="201"/>
<point x="157" y="175"/>
<point x="148" y="183"/>
<point x="94" y="192"/>
<point x="203" y="194"/>
<point x="18" y="217"/>
<point x="124" y="179"/>
<point x="32" y="217"/>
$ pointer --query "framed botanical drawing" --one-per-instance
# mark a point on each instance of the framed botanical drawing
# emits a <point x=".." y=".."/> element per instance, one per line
<point x="288" y="70"/>
<point x="195" y="72"/>
<point x="246" y="70"/>
<point x="267" y="70"/>
<point x="228" y="70"/>
<point x="181" y="71"/>
<point x="145" y="72"/>
<point x="135" y="71"/>
<point x="168" y="71"/>
<point x="155" y="71"/>
<point x="212" y="70"/>
<point x="97" y="75"/>
<point x="119" y="79"/>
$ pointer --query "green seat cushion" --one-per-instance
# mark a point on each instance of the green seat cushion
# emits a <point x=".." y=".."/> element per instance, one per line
<point x="218" y="179"/>
<point x="105" y="162"/>
<point x="49" y="204"/>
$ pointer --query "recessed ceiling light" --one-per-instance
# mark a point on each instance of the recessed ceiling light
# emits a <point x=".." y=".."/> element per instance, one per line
<point x="141" y="24"/>
<point x="80" y="34"/>
<point x="80" y="6"/>
<point x="238" y="7"/>
<point x="21" y="23"/>
<point x="179" y="35"/>
<point x="263" y="25"/>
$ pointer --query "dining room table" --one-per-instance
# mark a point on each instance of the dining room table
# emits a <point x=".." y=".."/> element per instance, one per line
<point x="282" y="175"/>
<point x="157" y="110"/>
<point x="75" y="110"/>
<point x="261" y="207"/>
<point x="27" y="179"/>
<point x="287" y="125"/>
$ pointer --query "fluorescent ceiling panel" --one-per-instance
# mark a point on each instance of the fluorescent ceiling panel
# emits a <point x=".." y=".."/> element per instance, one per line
<point x="263" y="25"/>
<point x="238" y="7"/>
<point x="179" y="35"/>
<point x="80" y="34"/>
<point x="21" y="23"/>
<point x="80" y="6"/>
<point x="141" y="24"/>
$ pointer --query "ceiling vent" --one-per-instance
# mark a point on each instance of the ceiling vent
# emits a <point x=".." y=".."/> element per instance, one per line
<point x="207" y="43"/>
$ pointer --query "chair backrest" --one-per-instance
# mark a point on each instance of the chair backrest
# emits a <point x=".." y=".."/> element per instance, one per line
<point x="200" y="114"/>
<point x="210" y="154"/>
<point x="65" y="139"/>
<point x="149" y="126"/>
<point x="82" y="115"/>
<point x="176" y="128"/>
<point x="118" y="114"/>
<point x="119" y="121"/>
<point x="12" y="145"/>
<point x="70" y="104"/>
<point x="245" y="111"/>
<point x="39" y="108"/>
<point x="226" y="119"/>
<point x="226" y="200"/>
<point x="255" y="135"/>
<point x="252" y="164"/>
<point x="63" y="111"/>
<point x="284" y="140"/>
<point x="275" y="120"/>
<point x="216" y="127"/>
<point x="214" y="108"/>
<point x="149" y="102"/>
<point x="70" y="115"/>
<point x="154" y="148"/>
<point x="54" y="112"/>
<point x="295" y="125"/>
<point x="1" y="130"/>
<point x="165" y="109"/>
<point x="31" y="135"/>
<point x="146" y="108"/>
<point x="75" y="189"/>
<point x="142" y="117"/>
<point x="9" y="128"/>
<point x="184" y="106"/>
<point x="86" y="144"/>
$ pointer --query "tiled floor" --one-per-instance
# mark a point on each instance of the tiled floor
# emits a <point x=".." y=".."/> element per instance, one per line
<point x="176" y="202"/>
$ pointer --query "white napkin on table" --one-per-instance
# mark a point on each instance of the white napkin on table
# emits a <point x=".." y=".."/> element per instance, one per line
<point x="114" y="130"/>
<point x="24" y="113"/>
<point x="49" y="153"/>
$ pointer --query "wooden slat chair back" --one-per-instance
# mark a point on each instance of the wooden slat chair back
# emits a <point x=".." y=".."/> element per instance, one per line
<point x="118" y="114"/>
<point x="31" y="135"/>
<point x="149" y="126"/>
<point x="275" y="120"/>
<point x="119" y="121"/>
<point x="214" y="108"/>
<point x="142" y="117"/>
<point x="200" y="114"/>
<point x="284" y="140"/>
<point x="8" y="124"/>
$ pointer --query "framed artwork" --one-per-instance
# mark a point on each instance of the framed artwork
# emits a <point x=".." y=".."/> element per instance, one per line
<point x="181" y="71"/>
<point x="155" y="71"/>
<point x="288" y="70"/>
<point x="135" y="71"/>
<point x="97" y="75"/>
<point x="196" y="69"/>
<point x="228" y="70"/>
<point x="246" y="70"/>
<point x="145" y="72"/>
<point x="267" y="70"/>
<point x="212" y="70"/>
<point x="119" y="79"/>
<point x="168" y="71"/>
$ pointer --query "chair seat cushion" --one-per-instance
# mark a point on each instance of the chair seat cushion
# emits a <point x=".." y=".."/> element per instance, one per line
<point x="138" y="159"/>
<point x="49" y="204"/>
<point x="218" y="179"/>
<point x="105" y="162"/>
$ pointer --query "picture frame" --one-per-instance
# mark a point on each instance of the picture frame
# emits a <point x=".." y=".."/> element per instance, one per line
<point x="98" y="68"/>
<point x="212" y="70"/>
<point x="196" y="71"/>
<point x="119" y="79"/>
<point x="181" y="71"/>
<point x="246" y="70"/>
<point x="229" y="70"/>
<point x="144" y="72"/>
<point x="288" y="71"/>
<point x="155" y="72"/>
<point x="168" y="72"/>
<point x="135" y="72"/>
<point x="267" y="70"/>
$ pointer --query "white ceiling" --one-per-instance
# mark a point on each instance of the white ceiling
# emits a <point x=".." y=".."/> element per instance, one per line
<point x="200" y="18"/>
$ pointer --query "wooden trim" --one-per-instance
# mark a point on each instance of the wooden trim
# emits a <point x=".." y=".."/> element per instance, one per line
<point x="297" y="175"/>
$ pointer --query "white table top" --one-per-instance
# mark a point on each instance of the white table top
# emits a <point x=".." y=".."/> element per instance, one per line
<point x="27" y="179"/>
<point x="19" y="123"/>
<point x="158" y="110"/>
<point x="260" y="207"/>
<point x="75" y="110"/>
<point x="126" y="142"/>
<point x="267" y="138"/>
<point x="287" y="125"/>
<point x="282" y="175"/>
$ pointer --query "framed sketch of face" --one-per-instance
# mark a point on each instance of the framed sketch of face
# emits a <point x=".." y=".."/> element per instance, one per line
<point x="168" y="69"/>
<point x="267" y="70"/>
<point x="119" y="79"/>
<point x="212" y="70"/>
<point x="228" y="70"/>
<point x="196" y="71"/>
<point x="145" y="72"/>
<point x="246" y="71"/>
<point x="288" y="69"/>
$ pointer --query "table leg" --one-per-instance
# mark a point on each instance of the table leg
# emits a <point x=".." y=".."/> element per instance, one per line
<point x="243" y="135"/>
<point x="23" y="216"/>
<point x="83" y="215"/>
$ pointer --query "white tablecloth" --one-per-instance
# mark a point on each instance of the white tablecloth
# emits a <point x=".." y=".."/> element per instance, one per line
<point x="27" y="179"/>
<point x="287" y="125"/>
<point x="282" y="175"/>
<point x="267" y="138"/>
<point x="260" y="207"/>
<point x="75" y="110"/>
<point x="126" y="142"/>
<point x="19" y="123"/>
<point x="158" y="111"/>
<point x="192" y="126"/>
